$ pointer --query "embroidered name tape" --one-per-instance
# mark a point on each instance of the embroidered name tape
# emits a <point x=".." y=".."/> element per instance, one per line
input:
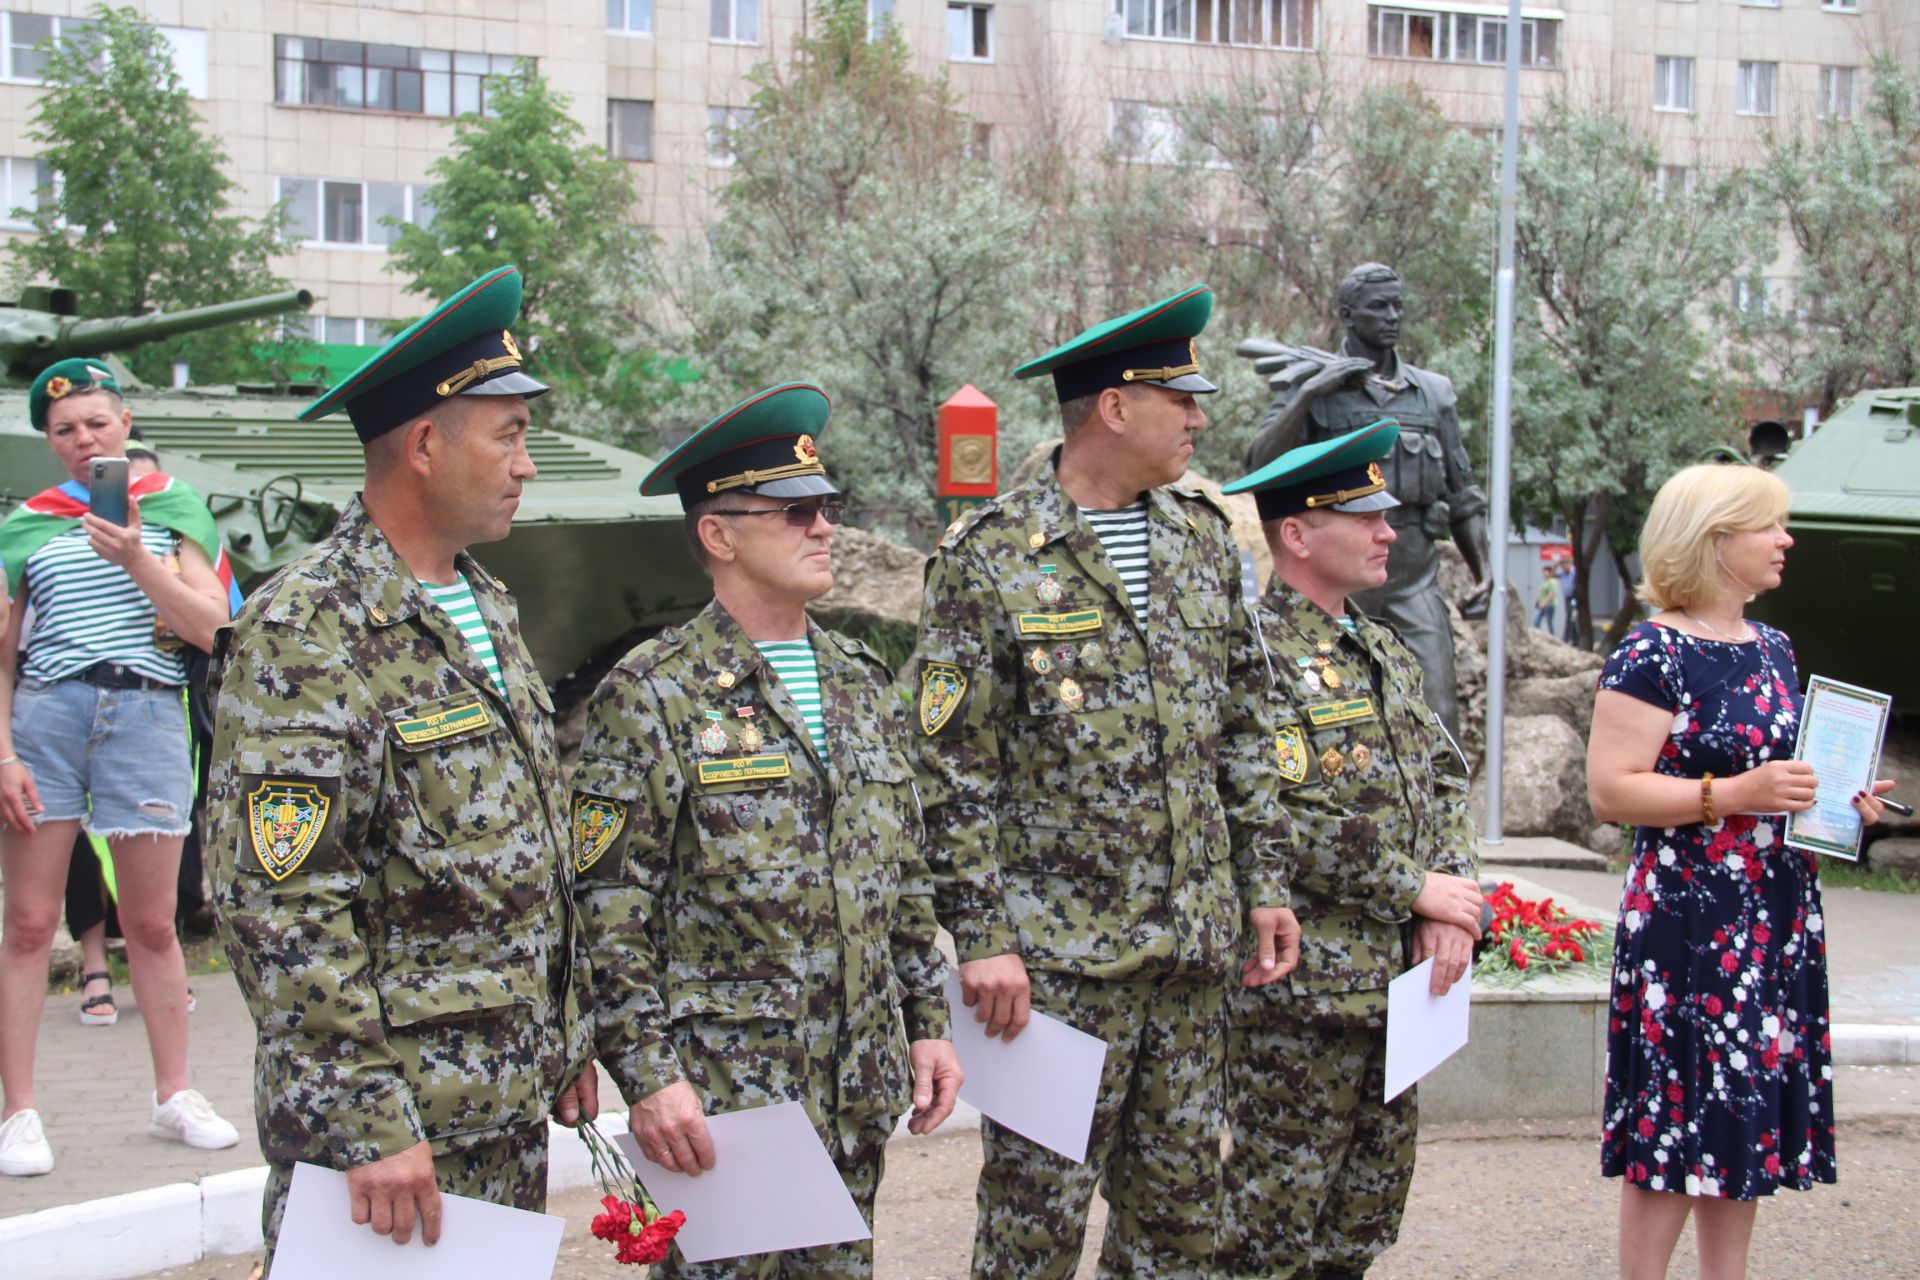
<point x="744" y="769"/>
<point x="1329" y="713"/>
<point x="1060" y="624"/>
<point x="443" y="724"/>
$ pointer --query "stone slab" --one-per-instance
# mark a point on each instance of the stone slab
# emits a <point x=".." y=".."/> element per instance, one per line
<point x="1538" y="851"/>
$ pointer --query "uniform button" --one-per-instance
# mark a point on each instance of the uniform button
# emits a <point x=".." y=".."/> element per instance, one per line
<point x="1037" y="541"/>
<point x="725" y="679"/>
<point x="378" y="614"/>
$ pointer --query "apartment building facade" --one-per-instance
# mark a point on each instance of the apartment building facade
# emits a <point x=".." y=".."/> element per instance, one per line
<point x="339" y="108"/>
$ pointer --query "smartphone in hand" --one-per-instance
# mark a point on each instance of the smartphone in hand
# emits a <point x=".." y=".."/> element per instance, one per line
<point x="107" y="489"/>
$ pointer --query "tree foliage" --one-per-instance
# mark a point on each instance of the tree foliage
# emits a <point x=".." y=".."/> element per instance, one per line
<point x="140" y="215"/>
<point x="1613" y="389"/>
<point x="520" y="186"/>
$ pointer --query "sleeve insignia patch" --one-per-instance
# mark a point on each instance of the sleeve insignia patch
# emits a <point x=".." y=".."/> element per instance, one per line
<point x="1290" y="748"/>
<point x="284" y="823"/>
<point x="597" y="823"/>
<point x="941" y="689"/>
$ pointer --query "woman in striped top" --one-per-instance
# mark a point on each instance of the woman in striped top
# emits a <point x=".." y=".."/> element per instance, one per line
<point x="96" y="735"/>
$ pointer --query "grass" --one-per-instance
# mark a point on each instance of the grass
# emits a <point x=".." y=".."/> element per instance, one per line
<point x="1836" y="873"/>
<point x="203" y="956"/>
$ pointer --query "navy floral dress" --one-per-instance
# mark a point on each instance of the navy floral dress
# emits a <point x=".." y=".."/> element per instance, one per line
<point x="1719" y="1065"/>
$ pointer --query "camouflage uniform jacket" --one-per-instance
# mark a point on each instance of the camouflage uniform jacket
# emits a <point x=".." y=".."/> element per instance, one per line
<point x="387" y="846"/>
<point x="747" y="903"/>
<point x="1089" y="779"/>
<point x="1376" y="787"/>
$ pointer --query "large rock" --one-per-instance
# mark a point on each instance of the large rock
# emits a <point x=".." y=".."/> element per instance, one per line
<point x="874" y="576"/>
<point x="1545" y="791"/>
<point x="1900" y="854"/>
<point x="1900" y="760"/>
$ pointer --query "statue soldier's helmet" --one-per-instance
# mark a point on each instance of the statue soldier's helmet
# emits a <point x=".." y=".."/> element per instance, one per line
<point x="1153" y="345"/>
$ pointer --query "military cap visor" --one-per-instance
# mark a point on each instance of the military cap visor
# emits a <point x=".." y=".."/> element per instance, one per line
<point x="1341" y="474"/>
<point x="57" y="381"/>
<point x="763" y="445"/>
<point x="1152" y="346"/>
<point x="463" y="348"/>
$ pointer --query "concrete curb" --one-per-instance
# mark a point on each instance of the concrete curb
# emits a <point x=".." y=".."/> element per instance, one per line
<point x="119" y="1237"/>
<point x="1870" y="1044"/>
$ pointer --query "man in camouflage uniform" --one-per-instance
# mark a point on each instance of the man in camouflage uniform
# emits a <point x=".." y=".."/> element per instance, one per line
<point x="1377" y="789"/>
<point x="1092" y="759"/>
<point x="388" y="841"/>
<point x="748" y="844"/>
<point x="1429" y="471"/>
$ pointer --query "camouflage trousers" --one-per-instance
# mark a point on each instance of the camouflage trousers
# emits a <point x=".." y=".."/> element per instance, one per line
<point x="1320" y="1166"/>
<point x="510" y="1170"/>
<point x="1154" y="1151"/>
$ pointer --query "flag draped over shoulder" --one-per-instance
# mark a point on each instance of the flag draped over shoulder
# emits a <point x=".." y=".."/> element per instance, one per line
<point x="163" y="500"/>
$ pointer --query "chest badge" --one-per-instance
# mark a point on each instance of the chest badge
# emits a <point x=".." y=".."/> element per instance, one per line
<point x="284" y="822"/>
<point x="1072" y="694"/>
<point x="751" y="739"/>
<point x="713" y="738"/>
<point x="1048" y="592"/>
<point x="1362" y="756"/>
<point x="1332" y="762"/>
<point x="1040" y="661"/>
<point x="1091" y="653"/>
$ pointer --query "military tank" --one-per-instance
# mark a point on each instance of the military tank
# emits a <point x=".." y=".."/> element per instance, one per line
<point x="1853" y="576"/>
<point x="591" y="562"/>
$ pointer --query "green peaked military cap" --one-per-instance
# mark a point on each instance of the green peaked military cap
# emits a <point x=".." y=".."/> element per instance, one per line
<point x="1341" y="474"/>
<point x="66" y="378"/>
<point x="1153" y="345"/>
<point x="464" y="348"/>
<point x="764" y="445"/>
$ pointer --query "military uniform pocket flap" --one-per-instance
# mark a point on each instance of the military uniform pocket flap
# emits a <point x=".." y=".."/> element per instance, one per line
<point x="883" y="765"/>
<point x="412" y="997"/>
<point x="1062" y="851"/>
<point x="953" y="647"/>
<point x="1342" y="951"/>
<point x="1204" y="609"/>
<point x="291" y="752"/>
<point x="737" y="1001"/>
<point x="441" y="722"/>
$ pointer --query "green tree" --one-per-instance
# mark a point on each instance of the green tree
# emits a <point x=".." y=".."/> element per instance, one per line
<point x="519" y="186"/>
<point x="1614" y="388"/>
<point x="140" y="216"/>
<point x="860" y="246"/>
<point x="1850" y="191"/>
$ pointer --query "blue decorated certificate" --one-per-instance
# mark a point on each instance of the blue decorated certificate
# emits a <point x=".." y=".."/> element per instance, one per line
<point x="1841" y="729"/>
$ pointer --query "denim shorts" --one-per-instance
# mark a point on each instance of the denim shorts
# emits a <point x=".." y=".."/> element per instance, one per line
<point x="123" y="750"/>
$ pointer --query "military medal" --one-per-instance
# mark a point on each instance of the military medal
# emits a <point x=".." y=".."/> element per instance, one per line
<point x="1332" y="762"/>
<point x="751" y="739"/>
<point x="1063" y="657"/>
<point x="1040" y="662"/>
<point x="1072" y="694"/>
<point x="1331" y="678"/>
<point x="1091" y="653"/>
<point x="1324" y="646"/>
<point x="713" y="738"/>
<point x="1312" y="678"/>
<point x="1362" y="755"/>
<point x="1049" y="589"/>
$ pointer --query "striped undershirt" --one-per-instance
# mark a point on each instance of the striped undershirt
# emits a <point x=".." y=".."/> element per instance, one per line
<point x="86" y="610"/>
<point x="792" y="661"/>
<point x="463" y="610"/>
<point x="1124" y="534"/>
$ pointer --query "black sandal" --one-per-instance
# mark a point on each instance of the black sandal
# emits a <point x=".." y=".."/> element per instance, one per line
<point x="98" y="1011"/>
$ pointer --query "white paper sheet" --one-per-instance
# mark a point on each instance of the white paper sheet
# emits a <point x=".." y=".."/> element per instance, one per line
<point x="1041" y="1086"/>
<point x="1423" y="1030"/>
<point x="319" y="1241"/>
<point x="772" y="1187"/>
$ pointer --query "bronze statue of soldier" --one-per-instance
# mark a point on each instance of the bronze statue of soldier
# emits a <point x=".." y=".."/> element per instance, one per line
<point x="1320" y="394"/>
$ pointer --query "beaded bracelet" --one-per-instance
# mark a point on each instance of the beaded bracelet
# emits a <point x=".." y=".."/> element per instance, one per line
<point x="9" y="760"/>
<point x="1706" y="800"/>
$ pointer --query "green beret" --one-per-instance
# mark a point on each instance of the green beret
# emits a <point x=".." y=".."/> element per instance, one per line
<point x="462" y="349"/>
<point x="1153" y="345"/>
<point x="763" y="445"/>
<point x="1341" y="474"/>
<point x="69" y="377"/>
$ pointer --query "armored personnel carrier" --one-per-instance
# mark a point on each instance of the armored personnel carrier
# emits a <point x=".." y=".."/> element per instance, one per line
<point x="589" y="560"/>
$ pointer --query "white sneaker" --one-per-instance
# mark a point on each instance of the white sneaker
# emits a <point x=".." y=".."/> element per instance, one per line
<point x="187" y="1117"/>
<point x="24" y="1149"/>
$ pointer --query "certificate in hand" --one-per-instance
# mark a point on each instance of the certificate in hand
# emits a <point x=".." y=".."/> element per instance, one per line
<point x="1841" y="729"/>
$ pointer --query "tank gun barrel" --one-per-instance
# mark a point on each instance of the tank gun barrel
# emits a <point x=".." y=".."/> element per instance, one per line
<point x="30" y="341"/>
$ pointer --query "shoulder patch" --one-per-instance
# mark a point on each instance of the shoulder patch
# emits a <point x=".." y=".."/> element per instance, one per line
<point x="1194" y="493"/>
<point x="862" y="651"/>
<point x="651" y="652"/>
<point x="942" y="687"/>
<point x="960" y="528"/>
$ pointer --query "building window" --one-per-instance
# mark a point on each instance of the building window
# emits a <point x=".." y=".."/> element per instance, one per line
<point x="333" y="212"/>
<point x="23" y="34"/>
<point x="1756" y="83"/>
<point x="1459" y="37"/>
<point x="1836" y="93"/>
<point x="879" y="18"/>
<point x="1144" y="133"/>
<point x="722" y="124"/>
<point x="1841" y="6"/>
<point x="1673" y="84"/>
<point x="1751" y="295"/>
<point x="979" y="143"/>
<point x="1674" y="179"/>
<point x="1280" y="24"/>
<point x="735" y="21"/>
<point x="970" y="32"/>
<point x="630" y="17"/>
<point x="26" y="186"/>
<point x="345" y="331"/>
<point x="350" y="76"/>
<point x="1761" y="4"/>
<point x="629" y="129"/>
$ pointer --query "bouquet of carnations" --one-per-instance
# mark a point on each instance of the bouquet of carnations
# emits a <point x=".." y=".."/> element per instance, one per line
<point x="632" y="1221"/>
<point x="1529" y="938"/>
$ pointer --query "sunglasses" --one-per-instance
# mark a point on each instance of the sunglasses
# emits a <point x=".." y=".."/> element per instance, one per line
<point x="799" y="514"/>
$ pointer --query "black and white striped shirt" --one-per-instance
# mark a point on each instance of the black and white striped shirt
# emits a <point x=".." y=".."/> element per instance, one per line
<point x="1124" y="535"/>
<point x="86" y="610"/>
